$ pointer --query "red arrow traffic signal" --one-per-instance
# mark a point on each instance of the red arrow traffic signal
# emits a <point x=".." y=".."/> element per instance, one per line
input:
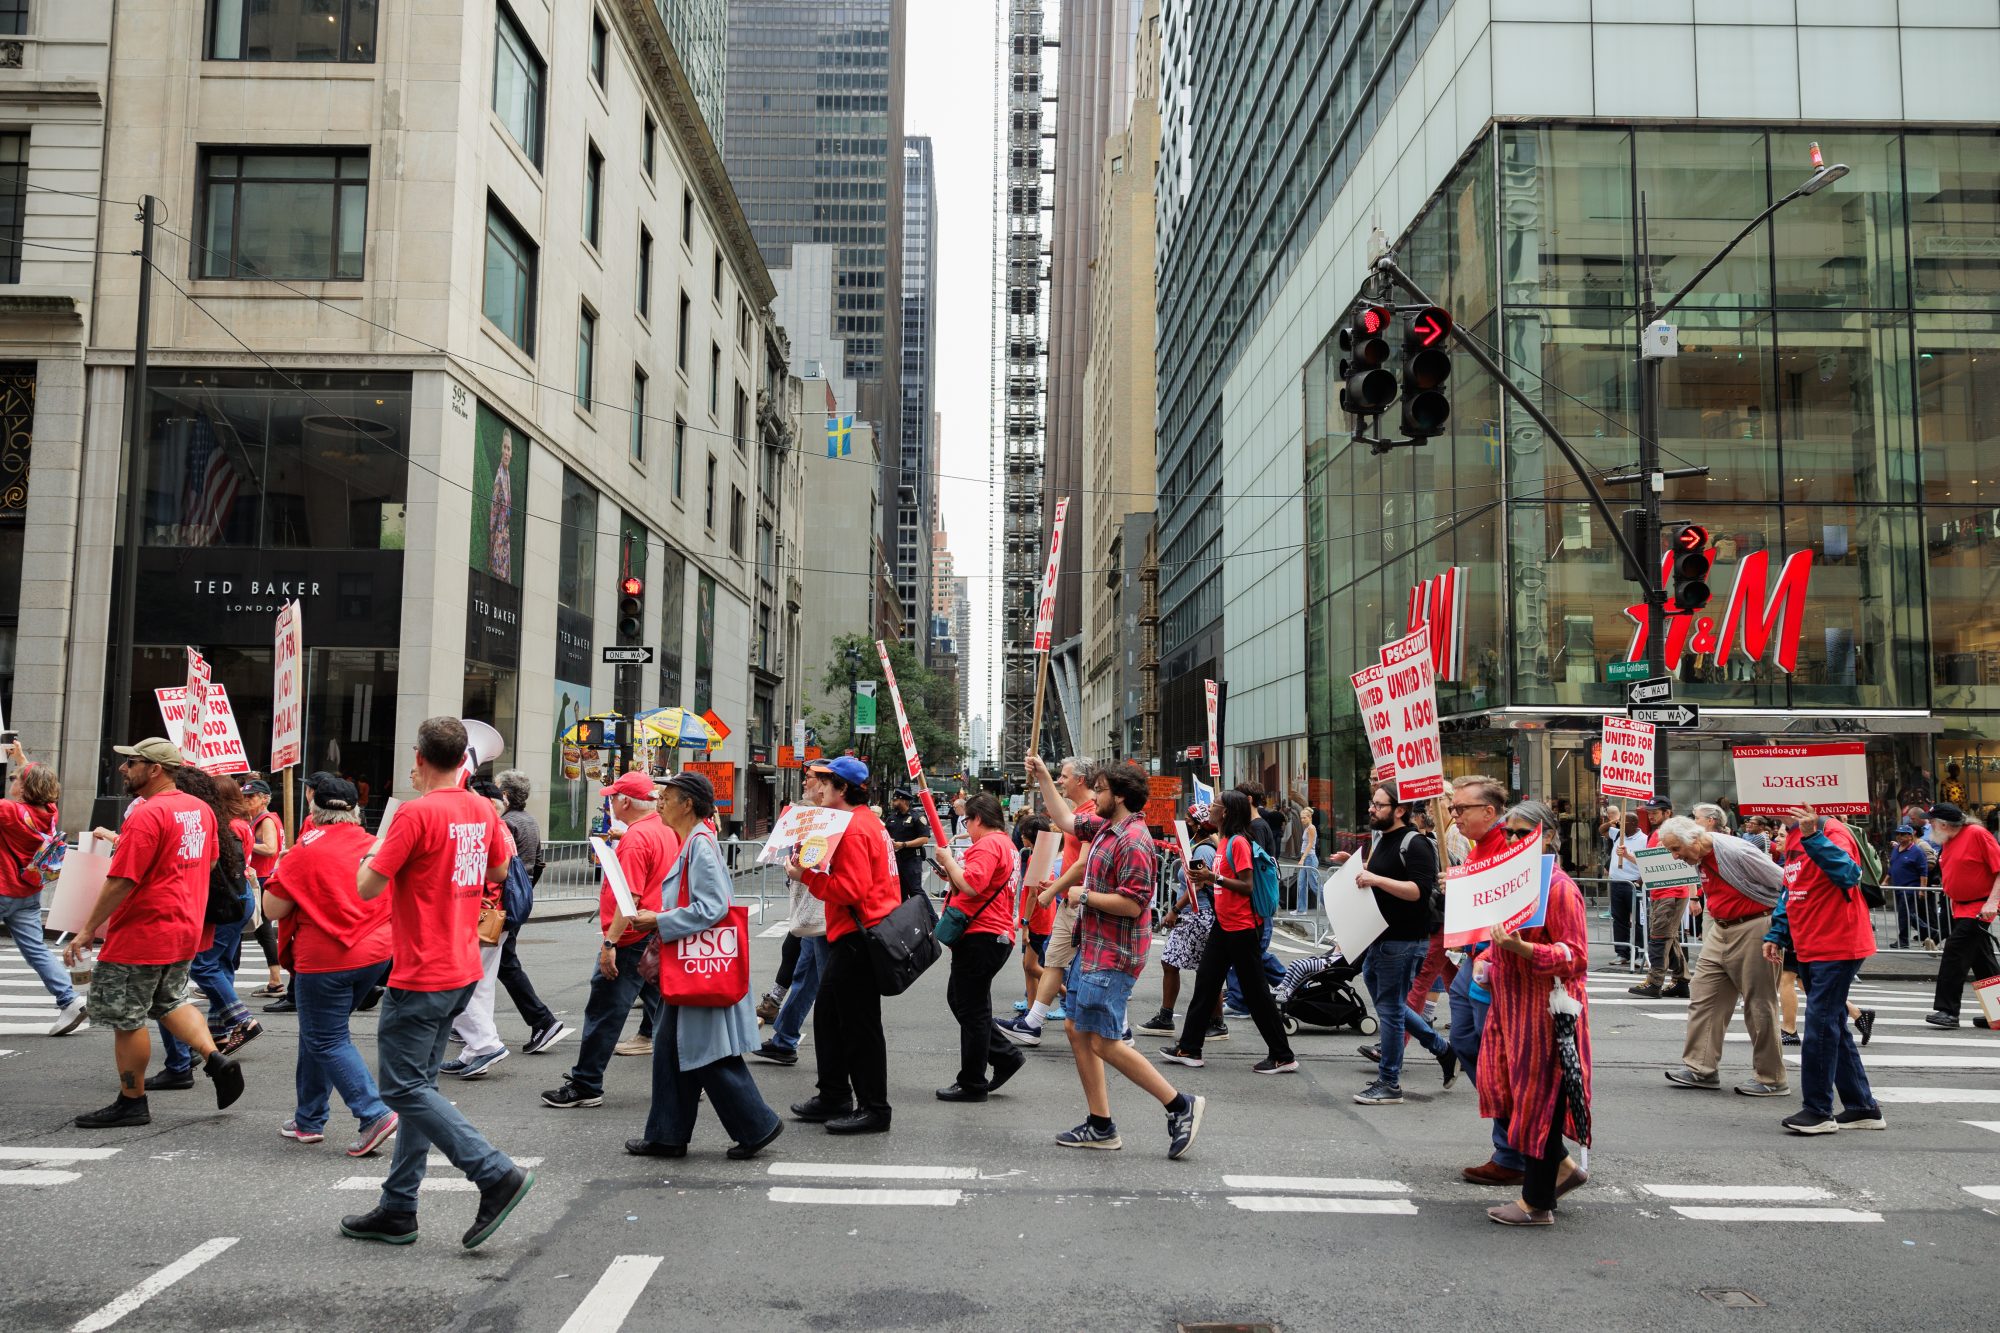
<point x="1691" y="538"/>
<point x="1431" y="326"/>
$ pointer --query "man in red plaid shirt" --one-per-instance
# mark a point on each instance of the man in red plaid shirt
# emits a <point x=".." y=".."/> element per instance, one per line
<point x="1114" y="929"/>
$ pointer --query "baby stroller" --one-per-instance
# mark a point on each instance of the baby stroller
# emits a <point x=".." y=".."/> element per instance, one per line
<point x="1325" y="999"/>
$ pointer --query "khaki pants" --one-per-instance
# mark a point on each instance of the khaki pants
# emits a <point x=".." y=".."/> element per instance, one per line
<point x="1663" y="924"/>
<point x="1732" y="966"/>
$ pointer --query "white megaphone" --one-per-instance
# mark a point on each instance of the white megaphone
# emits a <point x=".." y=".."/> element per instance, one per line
<point x="482" y="743"/>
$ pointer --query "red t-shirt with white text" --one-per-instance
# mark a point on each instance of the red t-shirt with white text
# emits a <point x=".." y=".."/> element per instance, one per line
<point x="333" y="930"/>
<point x="165" y="849"/>
<point x="441" y="849"/>
<point x="989" y="868"/>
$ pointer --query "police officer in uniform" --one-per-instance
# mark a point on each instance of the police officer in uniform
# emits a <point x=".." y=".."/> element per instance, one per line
<point x="911" y="833"/>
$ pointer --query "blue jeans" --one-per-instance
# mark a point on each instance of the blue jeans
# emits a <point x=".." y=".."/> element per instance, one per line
<point x="604" y="1015"/>
<point x="327" y="1058"/>
<point x="1468" y="1025"/>
<point x="1308" y="881"/>
<point x="409" y="1047"/>
<point x="1390" y="969"/>
<point x="1829" y="1060"/>
<point x="677" y="1092"/>
<point x="805" y="989"/>
<point x="22" y="918"/>
<point x="214" y="971"/>
<point x="1274" y="971"/>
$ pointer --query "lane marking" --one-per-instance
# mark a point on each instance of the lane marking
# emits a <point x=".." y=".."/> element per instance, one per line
<point x="916" y="1198"/>
<point x="605" y="1309"/>
<point x="1879" y="1059"/>
<point x="37" y="1012"/>
<point x="1317" y="1184"/>
<point x="1935" y="1096"/>
<point x="436" y="1161"/>
<point x="1990" y="1192"/>
<point x="38" y="1177"/>
<point x="1993" y="1125"/>
<point x="863" y="1171"/>
<point x="774" y="930"/>
<point x="57" y="1154"/>
<point x="1306" y="1203"/>
<point x="1898" y="1039"/>
<point x="107" y="1315"/>
<point x="1746" y="1193"/>
<point x="1700" y="1214"/>
<point x="40" y="1029"/>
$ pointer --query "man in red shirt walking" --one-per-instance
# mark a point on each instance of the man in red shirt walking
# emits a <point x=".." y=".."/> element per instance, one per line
<point x="151" y="911"/>
<point x="1969" y="870"/>
<point x="440" y="852"/>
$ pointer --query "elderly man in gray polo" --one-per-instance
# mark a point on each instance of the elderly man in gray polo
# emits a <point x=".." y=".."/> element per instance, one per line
<point x="1741" y="887"/>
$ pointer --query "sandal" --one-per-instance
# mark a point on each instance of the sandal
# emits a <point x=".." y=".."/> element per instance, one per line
<point x="267" y="989"/>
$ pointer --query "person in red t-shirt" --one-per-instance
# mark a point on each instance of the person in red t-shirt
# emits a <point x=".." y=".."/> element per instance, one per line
<point x="983" y="889"/>
<point x="339" y="950"/>
<point x="150" y="912"/>
<point x="267" y="844"/>
<point x="1969" y="870"/>
<point x="1036" y="917"/>
<point x="1073" y="782"/>
<point x="28" y="824"/>
<point x="437" y="858"/>
<point x="645" y="854"/>
<point x="859" y="887"/>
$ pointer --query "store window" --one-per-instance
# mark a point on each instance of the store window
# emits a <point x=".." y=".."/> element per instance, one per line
<point x="282" y="30"/>
<point x="508" y="296"/>
<point x="1845" y="403"/>
<point x="672" y="584"/>
<point x="572" y="786"/>
<point x="1718" y="408"/>
<point x="1842" y="247"/>
<point x="519" y="74"/>
<point x="496" y="566"/>
<point x="1700" y="187"/>
<point x="1962" y="546"/>
<point x="294" y="213"/>
<point x="1954" y="220"/>
<point x="1568" y="200"/>
<point x="1958" y="405"/>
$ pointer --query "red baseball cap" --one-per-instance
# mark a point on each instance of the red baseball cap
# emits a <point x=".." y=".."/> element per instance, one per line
<point x="639" y="786"/>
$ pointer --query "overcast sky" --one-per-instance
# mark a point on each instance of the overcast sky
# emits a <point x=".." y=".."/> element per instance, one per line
<point x="949" y="95"/>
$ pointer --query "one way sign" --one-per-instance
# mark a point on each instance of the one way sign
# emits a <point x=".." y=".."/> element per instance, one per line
<point x="1673" y="715"/>
<point x="1646" y="691"/>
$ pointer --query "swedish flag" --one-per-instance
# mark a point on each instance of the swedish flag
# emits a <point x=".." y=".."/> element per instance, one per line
<point x="839" y="436"/>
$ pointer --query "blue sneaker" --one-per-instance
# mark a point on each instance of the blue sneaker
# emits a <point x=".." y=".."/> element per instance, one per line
<point x="1020" y="1006"/>
<point x="1087" y="1135"/>
<point x="1019" y="1031"/>
<point x="1058" y="1013"/>
<point x="1182" y="1126"/>
<point x="478" y="1065"/>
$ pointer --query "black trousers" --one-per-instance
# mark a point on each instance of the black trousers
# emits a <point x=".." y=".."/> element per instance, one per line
<point x="1969" y="948"/>
<point x="1538" y="1185"/>
<point x="910" y="873"/>
<point x="975" y="961"/>
<point x="847" y="1029"/>
<point x="788" y="958"/>
<point x="267" y="940"/>
<point x="519" y="989"/>
<point x="1244" y="951"/>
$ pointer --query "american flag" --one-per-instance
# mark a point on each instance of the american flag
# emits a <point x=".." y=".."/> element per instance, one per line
<point x="212" y="483"/>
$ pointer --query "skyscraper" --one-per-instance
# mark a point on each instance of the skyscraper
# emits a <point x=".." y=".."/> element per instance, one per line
<point x="699" y="30"/>
<point x="916" y="493"/>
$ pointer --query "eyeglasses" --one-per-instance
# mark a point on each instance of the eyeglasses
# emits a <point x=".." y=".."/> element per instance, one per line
<point x="1461" y="809"/>
<point x="1381" y="805"/>
<point x="1516" y="834"/>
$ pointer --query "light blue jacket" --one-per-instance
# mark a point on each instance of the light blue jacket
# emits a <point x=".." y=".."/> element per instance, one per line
<point x="704" y="1035"/>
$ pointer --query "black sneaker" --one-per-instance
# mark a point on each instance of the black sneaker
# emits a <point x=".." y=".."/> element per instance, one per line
<point x="1448" y="1062"/>
<point x="1004" y="1070"/>
<point x="544" y="1037"/>
<point x="288" y="1005"/>
<point x="570" y="1097"/>
<point x="1867" y="1117"/>
<point x="776" y="1054"/>
<point x="816" y="1111"/>
<point x="171" y="1080"/>
<point x="1379" y="1093"/>
<point x="1160" y="1022"/>
<point x="1864" y="1023"/>
<point x="1938" y="1018"/>
<point x="1087" y="1135"/>
<point x="1371" y="1052"/>
<point x="382" y="1225"/>
<point x="1273" y="1065"/>
<point x="227" y="1076"/>
<point x="495" y="1204"/>
<point x="1810" y="1122"/>
<point x="1788" y="1038"/>
<point x="1182" y="1126"/>
<point x="1217" y="1031"/>
<point x="122" y="1112"/>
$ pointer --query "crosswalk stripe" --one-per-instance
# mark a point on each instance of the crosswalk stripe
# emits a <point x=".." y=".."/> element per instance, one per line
<point x="865" y="1171"/>
<point x="443" y="1185"/>
<point x="1879" y="1022"/>
<point x="1318" y="1184"/>
<point x="1991" y="1193"/>
<point x="28" y="983"/>
<point x="34" y="1177"/>
<point x="107" y="1315"/>
<point x="1308" y="1203"/>
<point x="1938" y="1096"/>
<point x="1882" y="1039"/>
<point x="871" y="1197"/>
<point x="57" y="1154"/>
<point x="46" y="1015"/>
<point x="40" y="1029"/>
<point x="605" y="1309"/>
<point x="1706" y="1214"/>
<point x="1741" y="1193"/>
<point x="1993" y="1125"/>
<point x="775" y="929"/>
<point x="1876" y="1058"/>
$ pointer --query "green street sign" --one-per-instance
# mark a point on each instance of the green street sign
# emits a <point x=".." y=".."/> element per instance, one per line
<point x="864" y="708"/>
<point x="1621" y="671"/>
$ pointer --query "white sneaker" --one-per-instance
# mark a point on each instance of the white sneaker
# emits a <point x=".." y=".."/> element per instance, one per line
<point x="70" y="1019"/>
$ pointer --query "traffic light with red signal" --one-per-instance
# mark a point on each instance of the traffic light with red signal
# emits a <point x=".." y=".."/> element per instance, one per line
<point x="1368" y="388"/>
<point x="1692" y="559"/>
<point x="1426" y="368"/>
<point x="631" y="610"/>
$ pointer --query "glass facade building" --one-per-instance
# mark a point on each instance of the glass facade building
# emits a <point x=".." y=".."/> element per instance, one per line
<point x="1839" y="376"/>
<point x="916" y="484"/>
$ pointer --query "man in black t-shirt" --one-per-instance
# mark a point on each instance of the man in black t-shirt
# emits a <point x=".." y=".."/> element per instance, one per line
<point x="1402" y="873"/>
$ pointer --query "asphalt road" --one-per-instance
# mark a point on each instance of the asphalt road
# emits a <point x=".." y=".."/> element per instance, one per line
<point x="1296" y="1207"/>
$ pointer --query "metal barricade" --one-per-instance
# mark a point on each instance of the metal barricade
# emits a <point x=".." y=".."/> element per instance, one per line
<point x="570" y="875"/>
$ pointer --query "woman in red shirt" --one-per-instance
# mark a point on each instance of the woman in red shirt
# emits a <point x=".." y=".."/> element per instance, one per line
<point x="1234" y="942"/>
<point x="339" y="953"/>
<point x="1037" y="918"/>
<point x="982" y="888"/>
<point x="267" y="844"/>
<point x="28" y="822"/>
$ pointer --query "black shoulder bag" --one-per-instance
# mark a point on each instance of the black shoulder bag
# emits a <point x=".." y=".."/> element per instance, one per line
<point x="902" y="945"/>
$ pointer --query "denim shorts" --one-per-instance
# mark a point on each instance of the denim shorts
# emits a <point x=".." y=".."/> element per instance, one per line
<point x="1096" y="1000"/>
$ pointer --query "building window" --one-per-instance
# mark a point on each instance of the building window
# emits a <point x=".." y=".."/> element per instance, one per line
<point x="593" y="196"/>
<point x="735" y="521"/>
<point x="13" y="203"/>
<point x="509" y="290"/>
<point x="687" y="219"/>
<point x="680" y="456"/>
<point x="638" y="415"/>
<point x="741" y="421"/>
<point x="715" y="278"/>
<point x="645" y="272"/>
<point x="708" y="505"/>
<point x="681" y="334"/>
<point x="586" y="355"/>
<point x="305" y="30"/>
<point x="518" y="78"/>
<point x="714" y="380"/>
<point x="743" y="324"/>
<point x="648" y="152"/>
<point x="289" y="214"/>
<point x="600" y="45"/>
<point x="13" y="18"/>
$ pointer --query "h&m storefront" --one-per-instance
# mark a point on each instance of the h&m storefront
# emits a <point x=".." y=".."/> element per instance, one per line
<point x="1839" y="376"/>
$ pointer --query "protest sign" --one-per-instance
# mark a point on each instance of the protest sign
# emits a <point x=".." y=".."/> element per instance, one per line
<point x="221" y="745"/>
<point x="1773" y="779"/>
<point x="1045" y="609"/>
<point x="1373" y="697"/>
<point x="1499" y="890"/>
<point x="288" y="687"/>
<point x="1352" y="914"/>
<point x="614" y="875"/>
<point x="1625" y="761"/>
<point x="1213" y="696"/>
<point x="1043" y="859"/>
<point x="1186" y="844"/>
<point x="82" y="879"/>
<point x="196" y="693"/>
<point x="1410" y="678"/>
<point x="1660" y="870"/>
<point x="810" y="830"/>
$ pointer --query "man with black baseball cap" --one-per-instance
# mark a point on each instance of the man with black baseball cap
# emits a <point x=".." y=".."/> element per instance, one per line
<point x="910" y="832"/>
<point x="1969" y="870"/>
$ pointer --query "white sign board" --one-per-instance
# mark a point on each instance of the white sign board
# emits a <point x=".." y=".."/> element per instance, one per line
<point x="1660" y="871"/>
<point x="1352" y="914"/>
<point x="82" y="879"/>
<point x="195" y="715"/>
<point x="1045" y="609"/>
<point x="1625" y="759"/>
<point x="288" y="687"/>
<point x="1373" y="696"/>
<point x="810" y="831"/>
<point x="1498" y="890"/>
<point x="221" y="744"/>
<point x="1775" y="779"/>
<point x="1410" y="679"/>
<point x="614" y="875"/>
<point x="1214" y="698"/>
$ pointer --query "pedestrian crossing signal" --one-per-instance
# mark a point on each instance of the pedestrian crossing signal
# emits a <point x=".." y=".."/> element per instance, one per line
<point x="1368" y="388"/>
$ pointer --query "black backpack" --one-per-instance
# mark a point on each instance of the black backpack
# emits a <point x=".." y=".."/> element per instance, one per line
<point x="226" y="887"/>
